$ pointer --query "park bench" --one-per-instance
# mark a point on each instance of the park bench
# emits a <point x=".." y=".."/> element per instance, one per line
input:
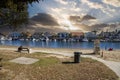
<point x="21" y="48"/>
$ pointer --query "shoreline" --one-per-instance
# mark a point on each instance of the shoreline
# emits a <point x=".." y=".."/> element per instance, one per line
<point x="71" y="49"/>
<point x="44" y="47"/>
<point x="107" y="55"/>
<point x="13" y="46"/>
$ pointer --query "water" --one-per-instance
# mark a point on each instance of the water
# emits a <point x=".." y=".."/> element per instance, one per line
<point x="58" y="44"/>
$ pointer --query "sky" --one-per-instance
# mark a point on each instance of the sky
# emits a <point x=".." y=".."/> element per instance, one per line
<point x="105" y="11"/>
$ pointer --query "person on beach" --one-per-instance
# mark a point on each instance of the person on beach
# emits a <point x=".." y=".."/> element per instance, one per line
<point x="110" y="49"/>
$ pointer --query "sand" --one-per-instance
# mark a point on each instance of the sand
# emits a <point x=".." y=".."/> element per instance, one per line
<point x="107" y="55"/>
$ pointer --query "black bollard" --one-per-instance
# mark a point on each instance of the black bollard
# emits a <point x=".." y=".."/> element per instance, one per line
<point x="77" y="57"/>
<point x="0" y="63"/>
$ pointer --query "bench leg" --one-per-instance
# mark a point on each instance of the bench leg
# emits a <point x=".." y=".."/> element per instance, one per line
<point x="0" y="67"/>
<point x="28" y="51"/>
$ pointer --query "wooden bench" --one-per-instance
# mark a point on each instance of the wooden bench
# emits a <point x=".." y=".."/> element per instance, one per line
<point x="23" y="49"/>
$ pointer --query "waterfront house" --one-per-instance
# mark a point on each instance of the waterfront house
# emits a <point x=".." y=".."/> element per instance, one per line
<point x="48" y="34"/>
<point x="78" y="34"/>
<point x="14" y="35"/>
<point x="118" y="34"/>
<point x="63" y="35"/>
<point x="37" y="35"/>
<point x="90" y="35"/>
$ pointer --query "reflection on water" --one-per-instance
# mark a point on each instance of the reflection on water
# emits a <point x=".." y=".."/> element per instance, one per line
<point x="58" y="44"/>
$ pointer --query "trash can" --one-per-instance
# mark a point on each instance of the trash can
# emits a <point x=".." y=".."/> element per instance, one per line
<point x="77" y="57"/>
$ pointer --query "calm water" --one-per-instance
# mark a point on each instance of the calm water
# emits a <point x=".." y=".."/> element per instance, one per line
<point x="52" y="44"/>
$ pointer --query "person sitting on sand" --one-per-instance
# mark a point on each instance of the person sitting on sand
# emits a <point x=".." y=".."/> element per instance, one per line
<point x="110" y="49"/>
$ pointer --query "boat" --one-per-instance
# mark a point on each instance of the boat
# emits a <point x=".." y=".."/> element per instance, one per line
<point x="2" y="38"/>
<point x="85" y="40"/>
<point x="9" y="39"/>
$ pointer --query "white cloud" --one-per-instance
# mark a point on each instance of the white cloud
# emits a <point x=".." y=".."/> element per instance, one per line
<point x="106" y="9"/>
<point x="62" y="2"/>
<point x="92" y="5"/>
<point x="115" y="3"/>
<point x="90" y="22"/>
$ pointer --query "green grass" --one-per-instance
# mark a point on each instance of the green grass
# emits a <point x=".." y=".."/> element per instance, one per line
<point x="88" y="60"/>
<point x="47" y="61"/>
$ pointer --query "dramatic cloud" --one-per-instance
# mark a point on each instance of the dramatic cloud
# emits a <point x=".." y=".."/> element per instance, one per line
<point x="64" y="13"/>
<point x="88" y="17"/>
<point x="45" y="19"/>
<point x="74" y="18"/>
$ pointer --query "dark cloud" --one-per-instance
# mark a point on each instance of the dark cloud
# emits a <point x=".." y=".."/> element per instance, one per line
<point x="45" y="19"/>
<point x="88" y="17"/>
<point x="74" y="18"/>
<point x="98" y="26"/>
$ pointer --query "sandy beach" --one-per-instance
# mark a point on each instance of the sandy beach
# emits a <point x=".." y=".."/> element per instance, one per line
<point x="107" y="55"/>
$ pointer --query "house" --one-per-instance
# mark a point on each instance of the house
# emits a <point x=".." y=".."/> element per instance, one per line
<point x="63" y="35"/>
<point x="90" y="35"/>
<point x="37" y="35"/>
<point x="14" y="35"/>
<point x="78" y="34"/>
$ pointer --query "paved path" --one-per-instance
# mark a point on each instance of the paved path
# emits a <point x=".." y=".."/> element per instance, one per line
<point x="115" y="66"/>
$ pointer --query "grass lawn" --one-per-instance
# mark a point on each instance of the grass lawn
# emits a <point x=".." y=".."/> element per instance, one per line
<point x="52" y="68"/>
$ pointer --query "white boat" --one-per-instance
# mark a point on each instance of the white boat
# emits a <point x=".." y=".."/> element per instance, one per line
<point x="72" y="39"/>
<point x="47" y="39"/>
<point x="85" y="40"/>
<point x="36" y="39"/>
<point x="102" y="40"/>
<point x="21" y="39"/>
<point x="64" y="40"/>
<point x="55" y="40"/>
<point x="33" y="39"/>
<point x="2" y="38"/>
<point x="9" y="39"/>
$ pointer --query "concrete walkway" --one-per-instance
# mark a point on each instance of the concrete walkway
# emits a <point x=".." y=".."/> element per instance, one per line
<point x="115" y="66"/>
